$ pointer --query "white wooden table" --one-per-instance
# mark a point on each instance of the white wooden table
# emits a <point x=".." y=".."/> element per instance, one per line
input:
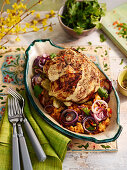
<point x="92" y="161"/>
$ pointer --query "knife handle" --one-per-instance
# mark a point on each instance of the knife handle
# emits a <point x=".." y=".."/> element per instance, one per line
<point x="15" y="151"/>
<point x="24" y="151"/>
<point x="34" y="141"/>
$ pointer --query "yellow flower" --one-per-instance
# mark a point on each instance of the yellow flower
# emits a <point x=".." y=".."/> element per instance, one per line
<point x="40" y="2"/>
<point x="7" y="1"/>
<point x="15" y="6"/>
<point x="27" y="25"/>
<point x="32" y="12"/>
<point x="1" y="35"/>
<point x="47" y="16"/>
<point x="52" y="12"/>
<point x="35" y="22"/>
<point x="20" y="12"/>
<point x="50" y="28"/>
<point x="35" y="28"/>
<point x="38" y="15"/>
<point x="21" y="5"/>
<point x="17" y="39"/>
<point x="44" y="22"/>
<point x="45" y="28"/>
<point x="12" y="30"/>
<point x="3" y="48"/>
<point x="24" y="29"/>
<point x="8" y="10"/>
<point x="17" y="28"/>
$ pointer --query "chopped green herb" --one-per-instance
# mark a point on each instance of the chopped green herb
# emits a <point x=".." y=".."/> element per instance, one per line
<point x="102" y="38"/>
<point x="125" y="67"/>
<point x="102" y="56"/>
<point x="121" y="61"/>
<point x="106" y="52"/>
<point x="1" y="56"/>
<point x="90" y="43"/>
<point x="81" y="48"/>
<point x="23" y="49"/>
<point x="105" y="65"/>
<point x="78" y="48"/>
<point x="52" y="55"/>
<point x="95" y="51"/>
<point x="98" y="47"/>
<point x="106" y="69"/>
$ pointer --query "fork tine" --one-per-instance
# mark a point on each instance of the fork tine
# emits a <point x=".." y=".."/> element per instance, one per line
<point x="14" y="94"/>
<point x="14" y="106"/>
<point x="9" y="107"/>
<point x="18" y="108"/>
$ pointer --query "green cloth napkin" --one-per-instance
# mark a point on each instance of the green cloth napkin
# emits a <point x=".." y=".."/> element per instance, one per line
<point x="53" y="142"/>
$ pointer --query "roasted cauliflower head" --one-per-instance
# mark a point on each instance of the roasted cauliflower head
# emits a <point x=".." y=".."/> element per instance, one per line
<point x="72" y="76"/>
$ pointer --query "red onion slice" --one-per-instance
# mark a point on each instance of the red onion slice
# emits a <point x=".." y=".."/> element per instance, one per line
<point x="102" y="114"/>
<point x="99" y="109"/>
<point x="68" y="117"/>
<point x="100" y="104"/>
<point x="39" y="62"/>
<point x="36" y="80"/>
<point x="49" y="109"/>
<point x="91" y="123"/>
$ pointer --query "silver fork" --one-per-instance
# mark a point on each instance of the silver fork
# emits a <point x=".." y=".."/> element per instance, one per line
<point x="33" y="138"/>
<point x="23" y="147"/>
<point x="14" y="119"/>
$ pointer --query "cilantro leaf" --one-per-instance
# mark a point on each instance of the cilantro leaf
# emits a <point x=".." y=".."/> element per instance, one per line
<point x="90" y="43"/>
<point x="52" y="55"/>
<point x="121" y="61"/>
